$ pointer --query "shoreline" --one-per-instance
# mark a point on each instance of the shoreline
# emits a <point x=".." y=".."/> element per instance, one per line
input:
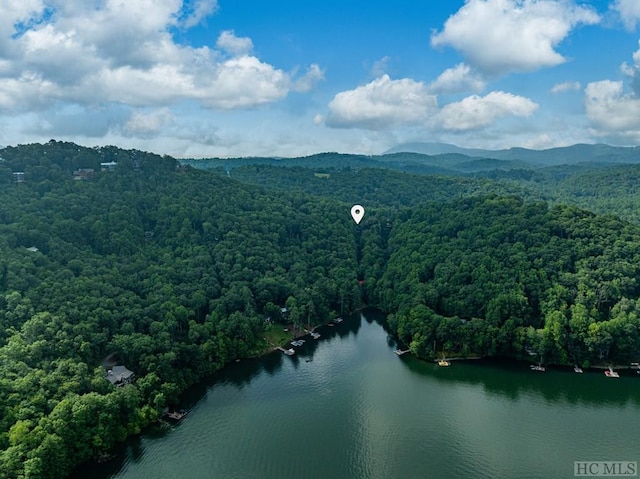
<point x="470" y="358"/>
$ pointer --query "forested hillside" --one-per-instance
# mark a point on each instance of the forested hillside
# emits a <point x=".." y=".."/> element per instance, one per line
<point x="498" y="276"/>
<point x="172" y="272"/>
<point x="371" y="186"/>
<point x="609" y="190"/>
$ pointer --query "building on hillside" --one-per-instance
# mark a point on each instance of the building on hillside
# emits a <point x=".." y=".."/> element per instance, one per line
<point x="108" y="166"/>
<point x="84" y="174"/>
<point x="18" y="176"/>
<point x="120" y="375"/>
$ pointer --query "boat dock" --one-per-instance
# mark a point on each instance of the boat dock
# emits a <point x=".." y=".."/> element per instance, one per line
<point x="175" y="415"/>
<point x="288" y="352"/>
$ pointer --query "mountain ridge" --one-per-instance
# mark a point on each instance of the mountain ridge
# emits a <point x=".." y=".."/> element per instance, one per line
<point x="578" y="153"/>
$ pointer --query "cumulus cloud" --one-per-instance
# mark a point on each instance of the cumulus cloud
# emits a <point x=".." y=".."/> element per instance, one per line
<point x="540" y="142"/>
<point x="629" y="11"/>
<point x="381" y="104"/>
<point x="309" y="80"/>
<point x="633" y="71"/>
<point x="197" y="12"/>
<point x="565" y="86"/>
<point x="475" y="112"/>
<point x="233" y="45"/>
<point x="148" y="123"/>
<point x="91" y="52"/>
<point x="460" y="78"/>
<point x="501" y="36"/>
<point x="612" y="113"/>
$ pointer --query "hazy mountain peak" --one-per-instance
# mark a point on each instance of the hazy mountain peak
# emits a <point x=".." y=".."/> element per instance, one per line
<point x="573" y="154"/>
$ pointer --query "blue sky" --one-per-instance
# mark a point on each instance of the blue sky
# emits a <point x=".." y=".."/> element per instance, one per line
<point x="198" y="78"/>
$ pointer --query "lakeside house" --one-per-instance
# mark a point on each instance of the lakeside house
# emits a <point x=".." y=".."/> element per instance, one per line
<point x="83" y="174"/>
<point x="120" y="375"/>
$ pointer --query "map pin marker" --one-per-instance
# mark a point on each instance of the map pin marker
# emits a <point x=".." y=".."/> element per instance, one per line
<point x="357" y="212"/>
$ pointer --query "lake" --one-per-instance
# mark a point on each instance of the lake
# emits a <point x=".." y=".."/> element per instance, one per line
<point x="346" y="406"/>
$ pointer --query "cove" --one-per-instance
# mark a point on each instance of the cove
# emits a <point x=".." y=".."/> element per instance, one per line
<point x="346" y="406"/>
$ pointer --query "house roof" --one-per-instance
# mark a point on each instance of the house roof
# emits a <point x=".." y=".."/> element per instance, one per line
<point x="118" y="374"/>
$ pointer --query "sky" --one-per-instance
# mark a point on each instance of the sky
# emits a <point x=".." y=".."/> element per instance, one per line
<point x="230" y="78"/>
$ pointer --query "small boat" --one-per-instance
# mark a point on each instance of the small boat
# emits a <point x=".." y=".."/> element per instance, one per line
<point x="298" y="342"/>
<point x="315" y="335"/>
<point x="610" y="373"/>
<point x="176" y="415"/>
<point x="577" y="369"/>
<point x="338" y="320"/>
<point x="538" y="367"/>
<point x="444" y="362"/>
<point x="289" y="352"/>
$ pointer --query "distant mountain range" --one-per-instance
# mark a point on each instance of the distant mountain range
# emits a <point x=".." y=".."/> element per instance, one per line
<point x="445" y="159"/>
<point x="580" y="153"/>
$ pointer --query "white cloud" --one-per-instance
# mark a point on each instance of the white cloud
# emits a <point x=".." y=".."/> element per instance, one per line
<point x="501" y="36"/>
<point x="612" y="113"/>
<point x="148" y="123"/>
<point x="381" y="104"/>
<point x="233" y="45"/>
<point x="475" y="112"/>
<point x="309" y="80"/>
<point x="633" y="71"/>
<point x="380" y="67"/>
<point x="540" y="142"/>
<point x="200" y="10"/>
<point x="629" y="11"/>
<point x="91" y="52"/>
<point x="565" y="86"/>
<point x="458" y="79"/>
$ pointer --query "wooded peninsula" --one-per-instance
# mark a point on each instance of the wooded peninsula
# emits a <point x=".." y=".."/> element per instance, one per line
<point x="163" y="271"/>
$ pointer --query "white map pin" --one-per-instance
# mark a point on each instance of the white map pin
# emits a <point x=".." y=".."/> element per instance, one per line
<point x="357" y="212"/>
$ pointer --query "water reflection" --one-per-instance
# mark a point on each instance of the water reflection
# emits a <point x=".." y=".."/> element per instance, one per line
<point x="346" y="393"/>
<point x="512" y="379"/>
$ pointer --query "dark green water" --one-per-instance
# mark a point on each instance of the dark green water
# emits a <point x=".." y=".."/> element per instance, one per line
<point x="346" y="406"/>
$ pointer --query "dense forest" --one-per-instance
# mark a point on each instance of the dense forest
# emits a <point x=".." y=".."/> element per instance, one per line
<point x="498" y="276"/>
<point x="173" y="272"/>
